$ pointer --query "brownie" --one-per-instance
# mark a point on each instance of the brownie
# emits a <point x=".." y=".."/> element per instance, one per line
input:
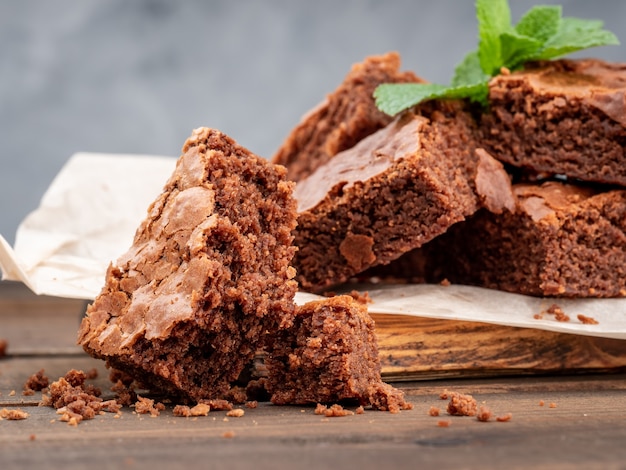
<point x="207" y="275"/>
<point x="346" y="116"/>
<point x="392" y="192"/>
<point x="565" y="117"/>
<point x="329" y="355"/>
<point x="562" y="240"/>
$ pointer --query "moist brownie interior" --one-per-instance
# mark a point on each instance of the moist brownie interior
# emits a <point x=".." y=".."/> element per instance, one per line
<point x="207" y="276"/>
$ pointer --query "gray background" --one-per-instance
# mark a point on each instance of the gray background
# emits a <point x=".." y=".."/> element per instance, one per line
<point x="136" y="76"/>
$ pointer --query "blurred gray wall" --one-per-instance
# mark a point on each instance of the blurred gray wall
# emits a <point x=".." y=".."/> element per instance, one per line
<point x="136" y="76"/>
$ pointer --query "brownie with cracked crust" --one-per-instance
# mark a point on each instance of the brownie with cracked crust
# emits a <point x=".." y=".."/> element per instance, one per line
<point x="392" y="192"/>
<point x="565" y="117"/>
<point x="346" y="116"/>
<point x="329" y="355"/>
<point x="561" y="240"/>
<point x="207" y="276"/>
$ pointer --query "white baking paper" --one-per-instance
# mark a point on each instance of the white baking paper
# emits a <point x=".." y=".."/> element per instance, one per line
<point x="89" y="215"/>
<point x="86" y="219"/>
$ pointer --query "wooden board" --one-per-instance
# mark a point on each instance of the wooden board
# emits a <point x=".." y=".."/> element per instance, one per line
<point x="420" y="348"/>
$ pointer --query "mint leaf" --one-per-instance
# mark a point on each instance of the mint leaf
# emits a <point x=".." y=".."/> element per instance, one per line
<point x="575" y="34"/>
<point x="494" y="18"/>
<point x="516" y="48"/>
<point x="469" y="71"/>
<point x="541" y="34"/>
<point x="540" y="22"/>
<point x="391" y="98"/>
<point x="477" y="92"/>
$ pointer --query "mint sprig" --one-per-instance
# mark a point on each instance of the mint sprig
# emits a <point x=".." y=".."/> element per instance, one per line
<point x="541" y="34"/>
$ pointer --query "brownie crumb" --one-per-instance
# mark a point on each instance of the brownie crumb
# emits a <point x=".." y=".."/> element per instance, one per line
<point x="252" y="404"/>
<point x="91" y="374"/>
<point x="552" y="405"/>
<point x="320" y="409"/>
<point x="75" y="400"/>
<point x="36" y="383"/>
<point x="585" y="320"/>
<point x="433" y="411"/>
<point x="235" y="413"/>
<point x="333" y="411"/>
<point x="504" y="418"/>
<point x="184" y="411"/>
<point x="147" y="405"/>
<point x="484" y="414"/>
<point x="360" y="410"/>
<point x="218" y="404"/>
<point x="3" y="348"/>
<point x="443" y="423"/>
<point x="541" y="402"/>
<point x="13" y="415"/>
<point x="126" y="396"/>
<point x="462" y="405"/>
<point x="557" y="311"/>
<point x="228" y="434"/>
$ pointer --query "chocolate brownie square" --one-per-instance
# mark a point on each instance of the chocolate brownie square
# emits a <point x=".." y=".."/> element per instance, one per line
<point x="329" y="355"/>
<point x="392" y="192"/>
<point x="346" y="116"/>
<point x="565" y="117"/>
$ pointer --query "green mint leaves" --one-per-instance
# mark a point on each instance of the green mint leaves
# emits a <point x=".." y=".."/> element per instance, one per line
<point x="541" y="34"/>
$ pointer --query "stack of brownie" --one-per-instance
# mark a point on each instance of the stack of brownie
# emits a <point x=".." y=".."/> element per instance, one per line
<point x="208" y="283"/>
<point x="524" y="196"/>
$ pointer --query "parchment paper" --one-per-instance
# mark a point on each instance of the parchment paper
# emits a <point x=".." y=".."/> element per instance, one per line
<point x="89" y="215"/>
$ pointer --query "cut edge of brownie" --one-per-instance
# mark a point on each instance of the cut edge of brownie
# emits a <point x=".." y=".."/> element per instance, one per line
<point x="433" y="177"/>
<point x="563" y="117"/>
<point x="330" y="355"/>
<point x="207" y="276"/>
<point x="562" y="241"/>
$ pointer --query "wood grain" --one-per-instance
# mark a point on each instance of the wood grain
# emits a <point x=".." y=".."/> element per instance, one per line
<point x="412" y="348"/>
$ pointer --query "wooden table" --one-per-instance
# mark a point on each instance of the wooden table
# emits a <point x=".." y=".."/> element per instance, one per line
<point x="582" y="423"/>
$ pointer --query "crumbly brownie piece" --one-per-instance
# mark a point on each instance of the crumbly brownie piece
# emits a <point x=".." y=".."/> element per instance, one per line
<point x="75" y="400"/>
<point x="346" y="116"/>
<point x="207" y="276"/>
<point x="329" y="355"/>
<point x="37" y="382"/>
<point x="562" y="117"/>
<point x="461" y="404"/>
<point x="13" y="414"/>
<point x="562" y="240"/>
<point x="394" y="191"/>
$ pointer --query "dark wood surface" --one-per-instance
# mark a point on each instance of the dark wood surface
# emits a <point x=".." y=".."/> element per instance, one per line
<point x="584" y="428"/>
